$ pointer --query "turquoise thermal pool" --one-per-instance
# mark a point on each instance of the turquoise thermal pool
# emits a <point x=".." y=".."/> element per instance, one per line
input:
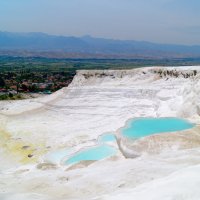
<point x="56" y="156"/>
<point x="142" y="127"/>
<point x="107" y="138"/>
<point x="94" y="153"/>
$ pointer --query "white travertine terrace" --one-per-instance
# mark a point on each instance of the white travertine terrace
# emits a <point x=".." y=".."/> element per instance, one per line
<point x="157" y="167"/>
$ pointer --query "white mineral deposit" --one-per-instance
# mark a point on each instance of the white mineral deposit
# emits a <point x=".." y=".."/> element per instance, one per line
<point x="39" y="137"/>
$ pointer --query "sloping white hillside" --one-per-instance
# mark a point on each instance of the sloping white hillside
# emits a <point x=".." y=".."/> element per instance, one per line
<point x="37" y="135"/>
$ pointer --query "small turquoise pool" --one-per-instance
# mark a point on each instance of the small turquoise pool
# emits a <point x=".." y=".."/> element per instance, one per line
<point x="95" y="153"/>
<point x="142" y="127"/>
<point x="107" y="138"/>
<point x="56" y="156"/>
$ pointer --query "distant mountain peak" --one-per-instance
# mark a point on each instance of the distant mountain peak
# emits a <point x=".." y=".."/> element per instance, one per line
<point x="86" y="36"/>
<point x="37" y="41"/>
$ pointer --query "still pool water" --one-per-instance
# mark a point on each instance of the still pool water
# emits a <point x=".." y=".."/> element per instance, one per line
<point x="56" y="156"/>
<point x="107" y="138"/>
<point x="94" y="153"/>
<point x="142" y="127"/>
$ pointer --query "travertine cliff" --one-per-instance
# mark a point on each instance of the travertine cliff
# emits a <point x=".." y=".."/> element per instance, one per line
<point x="97" y="102"/>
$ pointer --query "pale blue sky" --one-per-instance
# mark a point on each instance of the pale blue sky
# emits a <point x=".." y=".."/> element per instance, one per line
<point x="162" y="21"/>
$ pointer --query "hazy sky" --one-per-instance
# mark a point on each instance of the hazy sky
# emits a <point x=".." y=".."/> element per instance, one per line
<point x="163" y="21"/>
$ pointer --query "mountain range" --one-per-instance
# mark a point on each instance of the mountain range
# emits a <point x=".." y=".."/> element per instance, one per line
<point x="41" y="44"/>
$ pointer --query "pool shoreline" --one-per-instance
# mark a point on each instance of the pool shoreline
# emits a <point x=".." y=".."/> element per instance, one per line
<point x="120" y="135"/>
